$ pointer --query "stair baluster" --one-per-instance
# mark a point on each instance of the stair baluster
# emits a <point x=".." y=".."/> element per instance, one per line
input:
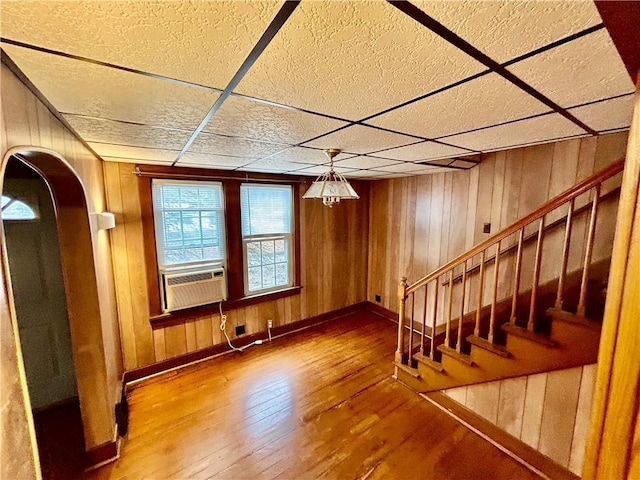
<point x="449" y="305"/>
<point x="424" y="320"/>
<point x="483" y="255"/>
<point x="565" y="254"/>
<point x="434" y="320"/>
<point x="589" y="252"/>
<point x="402" y="288"/>
<point x="462" y="298"/>
<point x="516" y="277"/>
<point x="536" y="276"/>
<point x="411" y="325"/>
<point x="494" y="293"/>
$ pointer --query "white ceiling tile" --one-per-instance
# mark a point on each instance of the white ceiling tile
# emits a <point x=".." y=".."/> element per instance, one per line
<point x="245" y="118"/>
<point x="361" y="139"/>
<point x="606" y="115"/>
<point x="507" y="29"/>
<point x="364" y="174"/>
<point x="276" y="163"/>
<point x="402" y="168"/>
<point x="353" y="59"/>
<point x="232" y="146"/>
<point x="212" y="161"/>
<point x="422" y="151"/>
<point x="534" y="130"/>
<point x="308" y="155"/>
<point x="97" y="91"/>
<point x="134" y="153"/>
<point x="363" y="161"/>
<point x="463" y="163"/>
<point x="108" y="131"/>
<point x="202" y="42"/>
<point x="580" y="71"/>
<point x="485" y="101"/>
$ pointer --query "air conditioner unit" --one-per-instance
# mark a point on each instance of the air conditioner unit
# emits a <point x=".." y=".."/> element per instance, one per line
<point x="190" y="287"/>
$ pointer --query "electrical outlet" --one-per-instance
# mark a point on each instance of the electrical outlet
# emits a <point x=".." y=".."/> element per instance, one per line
<point x="378" y="298"/>
<point x="240" y="330"/>
<point x="269" y="323"/>
<point x="486" y="228"/>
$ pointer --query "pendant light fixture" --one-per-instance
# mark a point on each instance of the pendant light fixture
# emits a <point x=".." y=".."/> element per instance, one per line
<point x="331" y="187"/>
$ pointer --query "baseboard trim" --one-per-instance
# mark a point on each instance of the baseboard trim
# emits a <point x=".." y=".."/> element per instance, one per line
<point x="515" y="448"/>
<point x="381" y="311"/>
<point x="223" y="348"/>
<point x="103" y="454"/>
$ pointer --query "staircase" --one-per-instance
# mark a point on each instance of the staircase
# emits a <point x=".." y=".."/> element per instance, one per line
<point x="529" y="299"/>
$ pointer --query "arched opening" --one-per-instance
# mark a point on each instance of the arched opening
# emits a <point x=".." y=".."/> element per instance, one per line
<point x="30" y="177"/>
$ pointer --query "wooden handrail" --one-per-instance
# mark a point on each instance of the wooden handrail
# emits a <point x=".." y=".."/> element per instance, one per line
<point x="551" y="205"/>
<point x="533" y="236"/>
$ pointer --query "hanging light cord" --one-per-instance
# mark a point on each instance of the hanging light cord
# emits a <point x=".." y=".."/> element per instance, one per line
<point x="223" y="327"/>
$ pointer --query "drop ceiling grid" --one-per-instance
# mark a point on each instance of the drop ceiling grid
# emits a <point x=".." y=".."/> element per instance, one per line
<point x="608" y="115"/>
<point x="246" y="118"/>
<point x="421" y="151"/>
<point x="214" y="161"/>
<point x="213" y="144"/>
<point x="584" y="70"/>
<point x="361" y="139"/>
<point x="340" y="59"/>
<point x="529" y="131"/>
<point x="133" y="154"/>
<point x="93" y="90"/>
<point x="131" y="32"/>
<point x="478" y="103"/>
<point x="507" y="29"/>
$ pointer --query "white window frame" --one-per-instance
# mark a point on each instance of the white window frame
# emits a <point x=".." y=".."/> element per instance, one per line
<point x="289" y="242"/>
<point x="158" y="228"/>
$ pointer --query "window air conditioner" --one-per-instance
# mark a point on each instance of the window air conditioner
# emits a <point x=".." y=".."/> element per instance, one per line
<point x="190" y="287"/>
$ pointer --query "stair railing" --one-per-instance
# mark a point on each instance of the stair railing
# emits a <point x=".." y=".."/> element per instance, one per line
<point x="431" y="283"/>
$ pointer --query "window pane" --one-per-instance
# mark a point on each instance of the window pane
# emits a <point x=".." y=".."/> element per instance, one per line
<point x="267" y="252"/>
<point x="268" y="276"/>
<point x="280" y="250"/>
<point x="282" y="274"/>
<point x="14" y="209"/>
<point x="253" y="254"/>
<point x="266" y="209"/>
<point x="189" y="221"/>
<point x="255" y="278"/>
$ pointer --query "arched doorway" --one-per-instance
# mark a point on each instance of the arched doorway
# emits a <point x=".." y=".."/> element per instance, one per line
<point x="77" y="264"/>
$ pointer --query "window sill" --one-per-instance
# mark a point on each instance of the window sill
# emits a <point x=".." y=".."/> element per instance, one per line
<point x="168" y="319"/>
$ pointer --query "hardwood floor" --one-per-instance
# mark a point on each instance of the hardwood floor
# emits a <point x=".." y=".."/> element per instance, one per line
<point x="318" y="403"/>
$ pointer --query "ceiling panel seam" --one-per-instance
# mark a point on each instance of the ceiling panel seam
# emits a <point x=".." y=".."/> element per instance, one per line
<point x="457" y="41"/>
<point x="274" y="27"/>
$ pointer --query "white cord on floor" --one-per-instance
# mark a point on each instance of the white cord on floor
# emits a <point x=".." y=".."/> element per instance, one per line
<point x="223" y="327"/>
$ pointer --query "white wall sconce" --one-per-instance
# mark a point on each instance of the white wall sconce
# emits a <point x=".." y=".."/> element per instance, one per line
<point x="105" y="220"/>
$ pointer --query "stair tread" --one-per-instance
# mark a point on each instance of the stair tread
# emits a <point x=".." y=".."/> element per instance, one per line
<point x="407" y="369"/>
<point x="487" y="345"/>
<point x="564" y="316"/>
<point x="453" y="353"/>
<point x="437" y="366"/>
<point x="529" y="335"/>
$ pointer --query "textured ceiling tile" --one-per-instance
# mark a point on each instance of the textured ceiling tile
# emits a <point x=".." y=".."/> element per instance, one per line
<point x="212" y="161"/>
<point x="307" y="155"/>
<point x="231" y="146"/>
<point x="606" y="115"/>
<point x="134" y="153"/>
<point x="320" y="169"/>
<point x="507" y="29"/>
<point x="534" y="130"/>
<point x="92" y="90"/>
<point x="364" y="174"/>
<point x="485" y="101"/>
<point x="201" y="42"/>
<point x="108" y="131"/>
<point x="365" y="162"/>
<point x="422" y="151"/>
<point x="361" y="139"/>
<point x="580" y="71"/>
<point x="276" y="163"/>
<point x="353" y="59"/>
<point x="245" y="118"/>
<point x="402" y="168"/>
<point x="463" y="164"/>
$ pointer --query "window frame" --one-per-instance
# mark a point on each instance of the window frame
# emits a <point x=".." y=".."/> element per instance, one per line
<point x="268" y="236"/>
<point x="234" y="267"/>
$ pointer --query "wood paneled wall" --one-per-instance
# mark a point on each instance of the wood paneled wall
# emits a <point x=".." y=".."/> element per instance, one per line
<point x="548" y="411"/>
<point x="419" y="223"/>
<point x="333" y="261"/>
<point x="27" y="122"/>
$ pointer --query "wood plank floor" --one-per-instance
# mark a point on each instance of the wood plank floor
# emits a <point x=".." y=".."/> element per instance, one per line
<point x="318" y="403"/>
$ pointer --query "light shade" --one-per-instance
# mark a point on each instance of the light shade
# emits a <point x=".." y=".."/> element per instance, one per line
<point x="331" y="187"/>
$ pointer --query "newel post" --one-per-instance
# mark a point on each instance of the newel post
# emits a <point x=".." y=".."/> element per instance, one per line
<point x="402" y="288"/>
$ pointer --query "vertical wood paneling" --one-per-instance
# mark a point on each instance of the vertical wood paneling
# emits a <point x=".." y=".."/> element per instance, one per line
<point x="511" y="405"/>
<point x="533" y="405"/>
<point x="483" y="399"/>
<point x="583" y="419"/>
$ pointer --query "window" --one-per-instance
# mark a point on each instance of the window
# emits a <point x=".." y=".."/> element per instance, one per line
<point x="266" y="237"/>
<point x="14" y="209"/>
<point x="189" y="222"/>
